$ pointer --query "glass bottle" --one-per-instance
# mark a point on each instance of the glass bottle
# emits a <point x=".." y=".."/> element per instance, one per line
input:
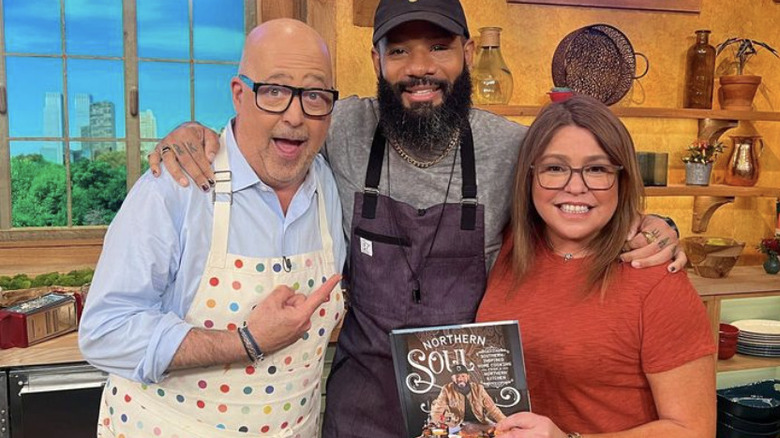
<point x="490" y="77"/>
<point x="699" y="73"/>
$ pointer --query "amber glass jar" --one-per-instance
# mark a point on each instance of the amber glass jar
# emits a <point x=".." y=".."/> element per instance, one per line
<point x="699" y="73"/>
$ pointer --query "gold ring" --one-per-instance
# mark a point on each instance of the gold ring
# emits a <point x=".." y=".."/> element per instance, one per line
<point x="164" y="149"/>
<point x="650" y="237"/>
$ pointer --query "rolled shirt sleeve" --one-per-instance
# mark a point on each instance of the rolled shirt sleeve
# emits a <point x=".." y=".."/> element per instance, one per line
<point x="133" y="319"/>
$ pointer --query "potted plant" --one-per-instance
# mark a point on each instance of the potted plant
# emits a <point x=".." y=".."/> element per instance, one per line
<point x="737" y="91"/>
<point x="771" y="247"/>
<point x="698" y="161"/>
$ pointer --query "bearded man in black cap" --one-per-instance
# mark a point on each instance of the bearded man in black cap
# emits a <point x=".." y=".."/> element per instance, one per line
<point x="424" y="181"/>
<point x="464" y="401"/>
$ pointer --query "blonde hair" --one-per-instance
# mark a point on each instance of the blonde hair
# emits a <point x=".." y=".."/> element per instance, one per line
<point x="528" y="226"/>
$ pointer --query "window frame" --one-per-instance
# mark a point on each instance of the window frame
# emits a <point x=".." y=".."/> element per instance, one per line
<point x="131" y="137"/>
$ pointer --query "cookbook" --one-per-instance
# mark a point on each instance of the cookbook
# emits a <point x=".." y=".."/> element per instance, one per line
<point x="459" y="380"/>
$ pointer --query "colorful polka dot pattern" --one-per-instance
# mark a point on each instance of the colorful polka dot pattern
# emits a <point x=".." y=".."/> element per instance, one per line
<point x="280" y="395"/>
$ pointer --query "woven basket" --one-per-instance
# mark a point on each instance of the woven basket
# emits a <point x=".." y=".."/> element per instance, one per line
<point x="596" y="60"/>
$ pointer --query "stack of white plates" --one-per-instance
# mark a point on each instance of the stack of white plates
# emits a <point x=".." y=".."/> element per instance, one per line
<point x="758" y="337"/>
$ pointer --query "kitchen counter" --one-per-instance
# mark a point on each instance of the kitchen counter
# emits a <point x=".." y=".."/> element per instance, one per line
<point x="63" y="349"/>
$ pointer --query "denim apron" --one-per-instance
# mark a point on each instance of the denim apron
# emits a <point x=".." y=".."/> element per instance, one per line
<point x="277" y="397"/>
<point x="409" y="267"/>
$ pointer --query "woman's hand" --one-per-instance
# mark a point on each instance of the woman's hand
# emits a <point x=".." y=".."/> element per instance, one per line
<point x="528" y="425"/>
<point x="653" y="242"/>
<point x="190" y="148"/>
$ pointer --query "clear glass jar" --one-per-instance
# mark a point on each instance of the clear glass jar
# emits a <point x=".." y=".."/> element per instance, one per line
<point x="490" y="76"/>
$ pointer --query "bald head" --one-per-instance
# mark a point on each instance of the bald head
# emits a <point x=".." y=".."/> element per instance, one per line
<point x="286" y="42"/>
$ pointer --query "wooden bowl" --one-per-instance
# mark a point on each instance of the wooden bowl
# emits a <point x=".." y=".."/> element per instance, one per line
<point x="712" y="257"/>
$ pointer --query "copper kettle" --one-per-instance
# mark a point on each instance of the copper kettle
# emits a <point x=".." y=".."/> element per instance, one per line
<point x="743" y="164"/>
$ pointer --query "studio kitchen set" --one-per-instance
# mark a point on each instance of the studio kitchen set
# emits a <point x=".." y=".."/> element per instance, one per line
<point x="684" y="73"/>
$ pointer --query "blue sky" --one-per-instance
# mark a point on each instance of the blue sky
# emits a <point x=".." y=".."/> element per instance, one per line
<point x="94" y="27"/>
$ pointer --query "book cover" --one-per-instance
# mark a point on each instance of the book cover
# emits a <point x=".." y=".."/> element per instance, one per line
<point x="459" y="380"/>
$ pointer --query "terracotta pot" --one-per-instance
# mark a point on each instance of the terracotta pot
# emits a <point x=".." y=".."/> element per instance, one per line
<point x="737" y="92"/>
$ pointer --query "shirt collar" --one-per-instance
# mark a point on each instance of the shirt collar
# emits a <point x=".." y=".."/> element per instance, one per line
<point x="244" y="176"/>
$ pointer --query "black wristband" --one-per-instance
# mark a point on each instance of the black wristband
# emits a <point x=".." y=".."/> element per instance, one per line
<point x="250" y="345"/>
<point x="669" y="221"/>
<point x="245" y="344"/>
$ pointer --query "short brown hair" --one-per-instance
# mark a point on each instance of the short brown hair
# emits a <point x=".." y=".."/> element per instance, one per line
<point x="528" y="226"/>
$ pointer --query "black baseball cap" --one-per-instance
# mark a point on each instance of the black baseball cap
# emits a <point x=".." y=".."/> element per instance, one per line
<point x="447" y="14"/>
<point x="459" y="369"/>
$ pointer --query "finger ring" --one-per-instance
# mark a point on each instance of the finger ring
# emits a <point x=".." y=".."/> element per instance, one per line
<point x="650" y="237"/>
<point x="164" y="149"/>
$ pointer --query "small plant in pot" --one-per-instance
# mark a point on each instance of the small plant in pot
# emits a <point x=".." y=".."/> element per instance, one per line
<point x="771" y="247"/>
<point x="698" y="161"/>
<point x="737" y="91"/>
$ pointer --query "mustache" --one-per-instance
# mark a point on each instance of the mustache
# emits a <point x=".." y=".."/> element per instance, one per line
<point x="288" y="134"/>
<point x="402" y="85"/>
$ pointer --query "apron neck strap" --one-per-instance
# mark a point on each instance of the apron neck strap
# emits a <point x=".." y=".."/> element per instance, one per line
<point x="222" y="197"/>
<point x="468" y="174"/>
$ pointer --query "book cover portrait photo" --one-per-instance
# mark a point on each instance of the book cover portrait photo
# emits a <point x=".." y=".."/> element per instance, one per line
<point x="459" y="380"/>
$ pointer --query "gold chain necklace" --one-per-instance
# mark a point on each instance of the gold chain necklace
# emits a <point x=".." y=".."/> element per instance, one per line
<point x="426" y="164"/>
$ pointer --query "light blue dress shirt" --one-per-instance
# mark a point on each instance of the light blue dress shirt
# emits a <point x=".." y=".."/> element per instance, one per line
<point x="156" y="249"/>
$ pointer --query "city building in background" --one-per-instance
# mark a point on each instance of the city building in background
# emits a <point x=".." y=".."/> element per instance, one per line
<point x="52" y="127"/>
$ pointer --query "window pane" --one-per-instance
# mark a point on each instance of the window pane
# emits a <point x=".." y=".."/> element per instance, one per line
<point x="34" y="97"/>
<point x="164" y="88"/>
<point x="38" y="191"/>
<point x="99" y="182"/>
<point x="218" y="29"/>
<point x="146" y="147"/>
<point x="32" y="26"/>
<point x="93" y="27"/>
<point x="213" y="102"/>
<point x="96" y="105"/>
<point x="163" y="29"/>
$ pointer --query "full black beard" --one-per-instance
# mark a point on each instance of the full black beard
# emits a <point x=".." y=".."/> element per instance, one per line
<point x="465" y="390"/>
<point x="424" y="130"/>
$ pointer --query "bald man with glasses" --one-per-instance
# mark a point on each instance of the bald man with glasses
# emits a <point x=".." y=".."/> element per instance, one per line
<point x="212" y="311"/>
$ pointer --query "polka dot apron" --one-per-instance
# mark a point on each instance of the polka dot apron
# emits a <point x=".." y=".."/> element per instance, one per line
<point x="280" y="396"/>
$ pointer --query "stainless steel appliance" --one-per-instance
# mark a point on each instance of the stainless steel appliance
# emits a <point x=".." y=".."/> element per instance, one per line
<point x="39" y="319"/>
<point x="50" y="401"/>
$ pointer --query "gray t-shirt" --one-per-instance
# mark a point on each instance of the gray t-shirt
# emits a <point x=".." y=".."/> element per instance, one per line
<point x="496" y="145"/>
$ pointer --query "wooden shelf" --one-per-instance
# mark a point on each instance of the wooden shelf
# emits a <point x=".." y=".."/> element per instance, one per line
<point x="667" y="113"/>
<point x="742" y="282"/>
<point x="713" y="190"/>
<point x="744" y="362"/>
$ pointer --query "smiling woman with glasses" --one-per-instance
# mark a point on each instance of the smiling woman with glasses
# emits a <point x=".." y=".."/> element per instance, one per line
<point x="609" y="349"/>
<point x="276" y="98"/>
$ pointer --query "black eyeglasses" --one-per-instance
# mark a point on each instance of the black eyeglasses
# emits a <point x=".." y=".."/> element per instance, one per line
<point x="276" y="99"/>
<point x="595" y="176"/>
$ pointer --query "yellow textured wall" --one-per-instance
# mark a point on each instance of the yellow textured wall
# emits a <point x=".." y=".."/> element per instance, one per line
<point x="531" y="34"/>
